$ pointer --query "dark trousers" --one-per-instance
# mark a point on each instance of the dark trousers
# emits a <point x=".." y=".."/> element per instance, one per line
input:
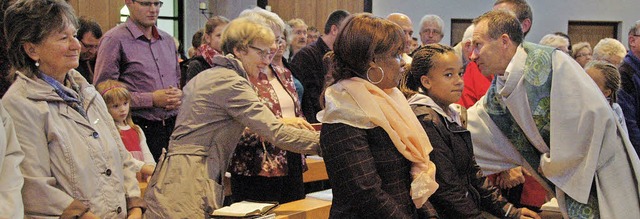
<point x="282" y="189"/>
<point x="157" y="133"/>
<point x="258" y="188"/>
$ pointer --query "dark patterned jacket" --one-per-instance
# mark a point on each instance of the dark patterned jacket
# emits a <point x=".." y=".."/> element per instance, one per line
<point x="369" y="177"/>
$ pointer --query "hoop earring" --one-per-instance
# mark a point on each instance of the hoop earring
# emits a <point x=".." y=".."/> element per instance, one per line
<point x="381" y="78"/>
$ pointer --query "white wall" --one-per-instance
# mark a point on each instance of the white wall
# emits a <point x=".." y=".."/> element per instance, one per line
<point x="194" y="20"/>
<point x="548" y="15"/>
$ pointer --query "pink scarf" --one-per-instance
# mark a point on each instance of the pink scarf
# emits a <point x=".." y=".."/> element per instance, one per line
<point x="358" y="103"/>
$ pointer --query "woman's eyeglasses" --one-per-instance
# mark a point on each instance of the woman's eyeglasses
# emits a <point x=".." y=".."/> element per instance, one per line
<point x="263" y="53"/>
<point x="582" y="55"/>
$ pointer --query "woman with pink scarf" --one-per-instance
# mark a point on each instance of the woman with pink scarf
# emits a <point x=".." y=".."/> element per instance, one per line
<point x="210" y="48"/>
<point x="375" y="150"/>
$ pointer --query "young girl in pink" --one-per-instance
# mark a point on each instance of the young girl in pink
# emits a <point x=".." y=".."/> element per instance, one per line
<point x="117" y="98"/>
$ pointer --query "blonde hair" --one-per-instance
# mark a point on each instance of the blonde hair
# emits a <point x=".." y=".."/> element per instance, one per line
<point x="112" y="91"/>
<point x="264" y="16"/>
<point x="244" y="31"/>
<point x="609" y="47"/>
<point x="297" y="22"/>
<point x="554" y="41"/>
<point x="579" y="46"/>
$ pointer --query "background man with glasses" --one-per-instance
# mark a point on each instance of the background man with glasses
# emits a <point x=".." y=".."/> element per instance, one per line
<point x="629" y="95"/>
<point x="143" y="57"/>
<point x="431" y="29"/>
<point x="89" y="34"/>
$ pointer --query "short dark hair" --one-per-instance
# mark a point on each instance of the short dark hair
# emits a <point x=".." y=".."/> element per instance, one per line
<point x="87" y="24"/>
<point x="334" y="19"/>
<point x="501" y="22"/>
<point x="31" y="21"/>
<point x="523" y="10"/>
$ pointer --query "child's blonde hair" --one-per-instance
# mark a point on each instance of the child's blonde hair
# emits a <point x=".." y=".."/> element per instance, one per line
<point x="112" y="91"/>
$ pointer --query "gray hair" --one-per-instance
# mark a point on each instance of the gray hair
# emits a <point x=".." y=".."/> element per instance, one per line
<point x="607" y="48"/>
<point x="579" y="46"/>
<point x="433" y="18"/>
<point x="634" y="29"/>
<point x="468" y="33"/>
<point x="554" y="41"/>
<point x="264" y="16"/>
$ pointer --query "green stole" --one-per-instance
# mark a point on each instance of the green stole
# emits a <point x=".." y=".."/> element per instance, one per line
<point x="537" y="82"/>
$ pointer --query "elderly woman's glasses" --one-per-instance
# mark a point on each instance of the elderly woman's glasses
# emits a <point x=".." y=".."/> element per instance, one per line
<point x="582" y="55"/>
<point x="263" y="53"/>
<point x="158" y="4"/>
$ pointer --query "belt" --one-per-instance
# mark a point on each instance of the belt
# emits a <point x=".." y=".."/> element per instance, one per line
<point x="187" y="149"/>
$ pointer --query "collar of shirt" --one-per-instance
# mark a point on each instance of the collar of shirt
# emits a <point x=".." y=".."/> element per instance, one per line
<point x="137" y="32"/>
<point x="505" y="84"/>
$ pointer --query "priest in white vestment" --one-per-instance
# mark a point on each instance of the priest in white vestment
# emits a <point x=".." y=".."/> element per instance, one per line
<point x="544" y="113"/>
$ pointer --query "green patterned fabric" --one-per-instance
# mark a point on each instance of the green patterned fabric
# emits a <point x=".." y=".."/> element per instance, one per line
<point x="577" y="210"/>
<point x="537" y="81"/>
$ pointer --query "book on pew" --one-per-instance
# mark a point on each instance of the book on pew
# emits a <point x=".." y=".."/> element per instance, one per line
<point x="245" y="209"/>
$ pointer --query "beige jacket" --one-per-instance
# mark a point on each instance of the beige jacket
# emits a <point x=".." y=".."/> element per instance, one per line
<point x="10" y="176"/>
<point x="217" y="106"/>
<point x="71" y="165"/>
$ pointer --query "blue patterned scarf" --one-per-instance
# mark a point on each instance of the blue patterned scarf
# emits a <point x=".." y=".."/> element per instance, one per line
<point x="68" y="97"/>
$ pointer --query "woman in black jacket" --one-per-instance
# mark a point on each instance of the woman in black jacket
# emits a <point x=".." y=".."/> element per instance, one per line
<point x="433" y="83"/>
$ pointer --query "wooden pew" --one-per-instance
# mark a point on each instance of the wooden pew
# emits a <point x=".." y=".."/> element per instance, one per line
<point x="317" y="171"/>
<point x="305" y="208"/>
